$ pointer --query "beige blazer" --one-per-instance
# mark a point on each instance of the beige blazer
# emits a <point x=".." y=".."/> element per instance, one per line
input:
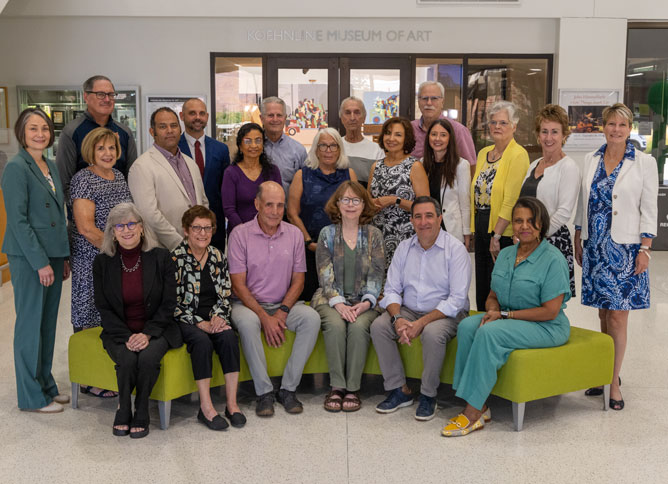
<point x="161" y="197"/>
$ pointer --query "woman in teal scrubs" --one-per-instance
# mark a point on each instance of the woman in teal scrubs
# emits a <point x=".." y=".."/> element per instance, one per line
<point x="36" y="245"/>
<point x="530" y="286"/>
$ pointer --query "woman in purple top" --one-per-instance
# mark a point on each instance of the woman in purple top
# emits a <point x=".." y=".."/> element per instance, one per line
<point x="250" y="168"/>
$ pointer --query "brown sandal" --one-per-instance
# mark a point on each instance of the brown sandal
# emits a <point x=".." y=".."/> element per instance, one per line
<point x="332" y="403"/>
<point x="353" y="398"/>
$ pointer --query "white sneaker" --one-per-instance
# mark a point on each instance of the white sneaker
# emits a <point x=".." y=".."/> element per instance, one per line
<point x="53" y="407"/>
<point x="62" y="399"/>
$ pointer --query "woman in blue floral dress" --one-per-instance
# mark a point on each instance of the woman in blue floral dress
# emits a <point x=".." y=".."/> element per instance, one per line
<point x="617" y="219"/>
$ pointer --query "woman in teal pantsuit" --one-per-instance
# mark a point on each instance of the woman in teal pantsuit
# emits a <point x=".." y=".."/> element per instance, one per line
<point x="36" y="245"/>
<point x="530" y="285"/>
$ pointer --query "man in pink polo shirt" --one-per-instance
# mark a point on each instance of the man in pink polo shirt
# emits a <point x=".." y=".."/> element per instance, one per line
<point x="430" y="101"/>
<point x="267" y="267"/>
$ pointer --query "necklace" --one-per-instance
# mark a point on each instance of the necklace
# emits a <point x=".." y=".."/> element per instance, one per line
<point x="133" y="268"/>
<point x="199" y="259"/>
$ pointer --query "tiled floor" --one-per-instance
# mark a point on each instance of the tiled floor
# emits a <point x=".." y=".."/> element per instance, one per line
<point x="565" y="439"/>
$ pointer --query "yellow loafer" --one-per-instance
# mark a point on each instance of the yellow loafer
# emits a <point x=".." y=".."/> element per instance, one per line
<point x="461" y="425"/>
<point x="487" y="415"/>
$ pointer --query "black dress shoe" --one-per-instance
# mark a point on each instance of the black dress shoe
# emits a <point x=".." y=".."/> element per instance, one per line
<point x="216" y="423"/>
<point x="237" y="419"/>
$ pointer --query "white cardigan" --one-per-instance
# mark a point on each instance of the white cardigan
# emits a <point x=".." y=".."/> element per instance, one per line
<point x="634" y="198"/>
<point x="456" y="202"/>
<point x="558" y="190"/>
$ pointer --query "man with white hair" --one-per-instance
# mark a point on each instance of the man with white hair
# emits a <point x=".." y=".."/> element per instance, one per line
<point x="430" y="101"/>
<point x="361" y="151"/>
<point x="284" y="152"/>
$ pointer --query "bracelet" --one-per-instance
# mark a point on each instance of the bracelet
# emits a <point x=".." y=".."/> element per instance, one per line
<point x="646" y="252"/>
<point x="496" y="236"/>
<point x="646" y="247"/>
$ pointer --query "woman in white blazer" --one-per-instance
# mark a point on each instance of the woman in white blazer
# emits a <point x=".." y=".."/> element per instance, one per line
<point x="555" y="180"/>
<point x="449" y="179"/>
<point x="617" y="219"/>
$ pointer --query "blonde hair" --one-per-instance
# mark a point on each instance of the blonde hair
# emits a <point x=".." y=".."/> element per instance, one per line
<point x="93" y="138"/>
<point x="617" y="109"/>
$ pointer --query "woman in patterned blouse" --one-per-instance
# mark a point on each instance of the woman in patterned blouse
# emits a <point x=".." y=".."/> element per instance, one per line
<point x="203" y="311"/>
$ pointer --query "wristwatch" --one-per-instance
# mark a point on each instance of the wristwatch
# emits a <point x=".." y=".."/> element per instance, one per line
<point x="496" y="236"/>
<point x="504" y="314"/>
<point x="284" y="308"/>
<point x="395" y="318"/>
<point x="308" y="242"/>
<point x="398" y="202"/>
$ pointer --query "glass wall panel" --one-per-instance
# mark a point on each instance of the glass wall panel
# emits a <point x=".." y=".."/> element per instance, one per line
<point x="646" y="92"/>
<point x="305" y="94"/>
<point x="238" y="91"/>
<point x="448" y="72"/>
<point x="522" y="81"/>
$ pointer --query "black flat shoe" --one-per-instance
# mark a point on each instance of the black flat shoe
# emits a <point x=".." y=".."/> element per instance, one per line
<point x="594" y="392"/>
<point x="237" y="419"/>
<point x="140" y="434"/>
<point x="216" y="423"/>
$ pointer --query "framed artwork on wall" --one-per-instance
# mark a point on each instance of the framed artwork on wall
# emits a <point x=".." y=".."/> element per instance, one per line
<point x="4" y="117"/>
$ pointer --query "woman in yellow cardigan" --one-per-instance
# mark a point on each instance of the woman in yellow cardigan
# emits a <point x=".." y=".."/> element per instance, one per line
<point x="495" y="188"/>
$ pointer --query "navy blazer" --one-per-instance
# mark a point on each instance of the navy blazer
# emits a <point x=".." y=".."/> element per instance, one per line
<point x="159" y="287"/>
<point x="36" y="225"/>
<point x="217" y="160"/>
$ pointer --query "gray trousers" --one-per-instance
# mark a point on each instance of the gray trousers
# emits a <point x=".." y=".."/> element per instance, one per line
<point x="434" y="337"/>
<point x="302" y="320"/>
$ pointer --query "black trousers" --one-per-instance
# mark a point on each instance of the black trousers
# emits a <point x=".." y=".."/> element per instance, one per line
<point x="311" y="283"/>
<point x="138" y="370"/>
<point x="483" y="259"/>
<point x="201" y="346"/>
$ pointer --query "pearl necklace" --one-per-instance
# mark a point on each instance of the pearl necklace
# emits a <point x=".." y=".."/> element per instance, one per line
<point x="133" y="268"/>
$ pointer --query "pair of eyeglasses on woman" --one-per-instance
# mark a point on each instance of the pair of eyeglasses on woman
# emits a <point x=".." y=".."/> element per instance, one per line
<point x="347" y="201"/>
<point x="502" y="124"/>
<point x="198" y="228"/>
<point x="323" y="147"/>
<point x="129" y="226"/>
<point x="256" y="141"/>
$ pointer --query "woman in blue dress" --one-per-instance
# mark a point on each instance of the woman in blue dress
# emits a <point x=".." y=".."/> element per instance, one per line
<point x="616" y="219"/>
<point x="327" y="166"/>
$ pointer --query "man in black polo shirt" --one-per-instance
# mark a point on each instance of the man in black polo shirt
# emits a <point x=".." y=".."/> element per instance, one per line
<point x="100" y="98"/>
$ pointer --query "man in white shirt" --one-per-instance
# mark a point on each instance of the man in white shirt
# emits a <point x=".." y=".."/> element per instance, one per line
<point x="361" y="151"/>
<point x="426" y="294"/>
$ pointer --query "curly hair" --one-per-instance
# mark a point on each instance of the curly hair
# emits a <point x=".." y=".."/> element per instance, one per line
<point x="332" y="206"/>
<point x="556" y="114"/>
<point x="198" y="211"/>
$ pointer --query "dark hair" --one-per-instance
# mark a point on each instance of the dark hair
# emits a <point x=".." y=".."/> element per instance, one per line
<point x="409" y="136"/>
<point x="554" y="113"/>
<point x="20" y="126"/>
<point x="332" y="207"/>
<point x="90" y="82"/>
<point x="446" y="171"/>
<point x="538" y="211"/>
<point x="165" y="109"/>
<point x="265" y="162"/>
<point x="196" y="211"/>
<point x="426" y="199"/>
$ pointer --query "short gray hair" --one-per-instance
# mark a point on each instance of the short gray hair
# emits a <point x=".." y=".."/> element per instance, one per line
<point x="507" y="106"/>
<point x="312" y="160"/>
<point x="120" y="214"/>
<point x="90" y="82"/>
<point x="272" y="100"/>
<point x="431" y="83"/>
<point x="351" y="99"/>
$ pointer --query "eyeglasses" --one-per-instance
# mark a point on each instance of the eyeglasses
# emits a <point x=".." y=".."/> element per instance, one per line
<point x="501" y="124"/>
<point x="348" y="201"/>
<point x="426" y="99"/>
<point x="101" y="94"/>
<point x="256" y="141"/>
<point x="198" y="228"/>
<point x="323" y="147"/>
<point x="129" y="226"/>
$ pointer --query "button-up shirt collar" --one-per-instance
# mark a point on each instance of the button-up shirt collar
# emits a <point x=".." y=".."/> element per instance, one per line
<point x="181" y="168"/>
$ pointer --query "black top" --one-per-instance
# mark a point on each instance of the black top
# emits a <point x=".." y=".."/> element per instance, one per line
<point x="531" y="184"/>
<point x="207" y="293"/>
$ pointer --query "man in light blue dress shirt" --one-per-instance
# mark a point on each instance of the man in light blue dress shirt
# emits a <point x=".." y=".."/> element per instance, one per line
<point x="426" y="295"/>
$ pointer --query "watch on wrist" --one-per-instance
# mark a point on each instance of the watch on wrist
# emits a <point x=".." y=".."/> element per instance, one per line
<point x="308" y="242"/>
<point x="504" y="314"/>
<point x="398" y="202"/>
<point x="284" y="308"/>
<point x="496" y="236"/>
<point x="395" y="318"/>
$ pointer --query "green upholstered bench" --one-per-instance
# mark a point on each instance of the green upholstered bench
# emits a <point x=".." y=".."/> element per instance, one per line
<point x="585" y="361"/>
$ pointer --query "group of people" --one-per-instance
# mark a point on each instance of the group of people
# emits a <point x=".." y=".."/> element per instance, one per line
<point x="377" y="241"/>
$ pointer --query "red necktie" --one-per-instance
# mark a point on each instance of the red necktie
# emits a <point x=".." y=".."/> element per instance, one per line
<point x="199" y="159"/>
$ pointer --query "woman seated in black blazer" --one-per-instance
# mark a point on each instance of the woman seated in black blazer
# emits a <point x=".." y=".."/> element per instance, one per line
<point x="135" y="293"/>
<point x="203" y="311"/>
